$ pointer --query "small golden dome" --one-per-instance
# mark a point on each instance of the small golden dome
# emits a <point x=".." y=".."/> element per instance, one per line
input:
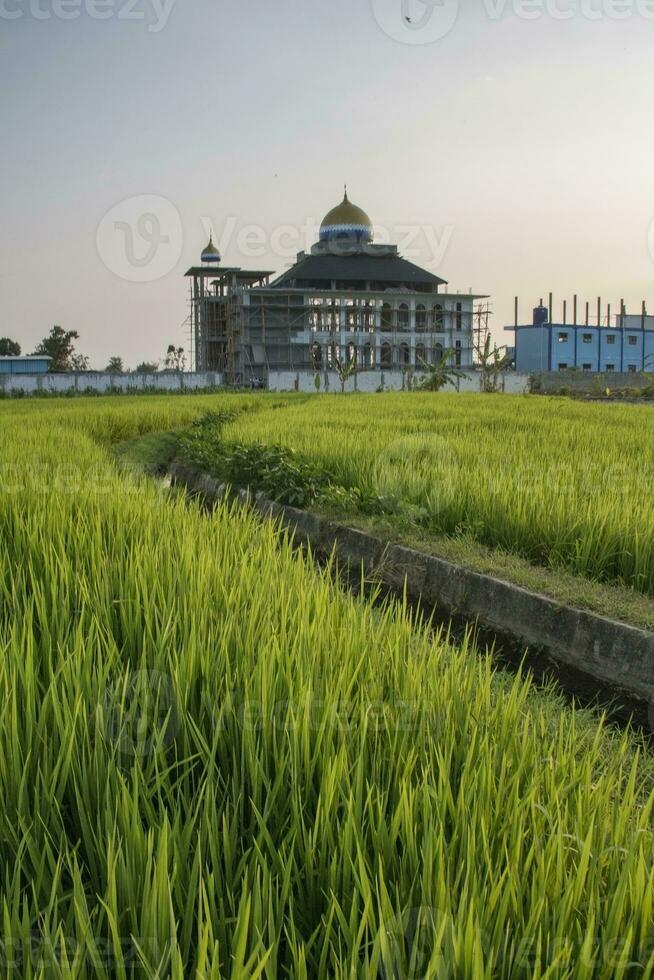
<point x="210" y="253"/>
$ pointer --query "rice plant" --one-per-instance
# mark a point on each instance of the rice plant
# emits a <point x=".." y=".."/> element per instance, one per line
<point x="215" y="763"/>
<point x="558" y="482"/>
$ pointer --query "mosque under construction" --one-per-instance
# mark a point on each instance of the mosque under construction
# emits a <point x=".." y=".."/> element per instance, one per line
<point x="346" y="302"/>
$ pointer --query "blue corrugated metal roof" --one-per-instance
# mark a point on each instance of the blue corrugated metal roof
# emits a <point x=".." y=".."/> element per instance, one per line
<point x="24" y="364"/>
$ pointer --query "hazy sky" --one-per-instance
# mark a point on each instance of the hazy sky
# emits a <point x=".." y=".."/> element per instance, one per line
<point x="511" y="151"/>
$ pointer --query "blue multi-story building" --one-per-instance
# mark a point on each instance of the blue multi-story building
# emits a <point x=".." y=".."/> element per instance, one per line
<point x="543" y="346"/>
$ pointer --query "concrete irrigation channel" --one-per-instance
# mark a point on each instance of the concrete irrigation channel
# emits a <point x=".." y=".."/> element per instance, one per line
<point x="596" y="659"/>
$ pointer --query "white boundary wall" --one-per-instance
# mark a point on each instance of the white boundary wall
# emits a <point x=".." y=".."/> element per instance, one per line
<point x="367" y="381"/>
<point x="102" y="382"/>
<point x="305" y="381"/>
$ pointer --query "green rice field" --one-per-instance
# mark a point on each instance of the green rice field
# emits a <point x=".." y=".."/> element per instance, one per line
<point x="560" y="483"/>
<point x="216" y="763"/>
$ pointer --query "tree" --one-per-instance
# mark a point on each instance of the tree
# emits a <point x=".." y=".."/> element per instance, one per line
<point x="175" y="358"/>
<point x="79" y="362"/>
<point x="115" y="366"/>
<point x="9" y="348"/>
<point x="59" y="346"/>
<point x="439" y="374"/>
<point x="147" y="367"/>
<point x="493" y="361"/>
<point x="345" y="369"/>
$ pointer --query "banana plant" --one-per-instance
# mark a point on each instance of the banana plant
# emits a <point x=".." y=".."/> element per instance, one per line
<point x="439" y="374"/>
<point x="493" y="362"/>
<point x="345" y="369"/>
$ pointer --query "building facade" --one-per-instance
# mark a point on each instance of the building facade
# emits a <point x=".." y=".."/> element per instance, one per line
<point x="626" y="347"/>
<point x="345" y="302"/>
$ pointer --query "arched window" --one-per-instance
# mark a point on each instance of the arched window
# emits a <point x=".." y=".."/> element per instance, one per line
<point x="386" y="316"/>
<point x="421" y="318"/>
<point x="437" y="354"/>
<point x="331" y="317"/>
<point x="386" y="355"/>
<point x="405" y="355"/>
<point x="421" y="356"/>
<point x="438" y="317"/>
<point x="351" y="354"/>
<point x="316" y="355"/>
<point x="316" y="318"/>
<point x="368" y="356"/>
<point x="403" y="317"/>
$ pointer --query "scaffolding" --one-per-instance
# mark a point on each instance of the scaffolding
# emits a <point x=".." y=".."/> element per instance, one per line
<point x="245" y="328"/>
<point x="481" y="329"/>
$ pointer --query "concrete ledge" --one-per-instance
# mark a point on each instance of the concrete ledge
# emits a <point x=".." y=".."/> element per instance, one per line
<point x="617" y="656"/>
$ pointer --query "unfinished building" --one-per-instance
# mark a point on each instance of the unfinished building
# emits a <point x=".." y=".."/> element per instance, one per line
<point x="346" y="302"/>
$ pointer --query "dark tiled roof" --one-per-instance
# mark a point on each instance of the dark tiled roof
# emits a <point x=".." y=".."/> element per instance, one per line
<point x="383" y="268"/>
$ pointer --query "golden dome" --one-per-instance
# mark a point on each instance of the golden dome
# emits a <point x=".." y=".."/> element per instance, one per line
<point x="210" y="253"/>
<point x="346" y="221"/>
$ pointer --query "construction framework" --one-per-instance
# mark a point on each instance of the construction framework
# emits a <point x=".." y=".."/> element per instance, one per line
<point x="346" y="302"/>
<point x="245" y="328"/>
